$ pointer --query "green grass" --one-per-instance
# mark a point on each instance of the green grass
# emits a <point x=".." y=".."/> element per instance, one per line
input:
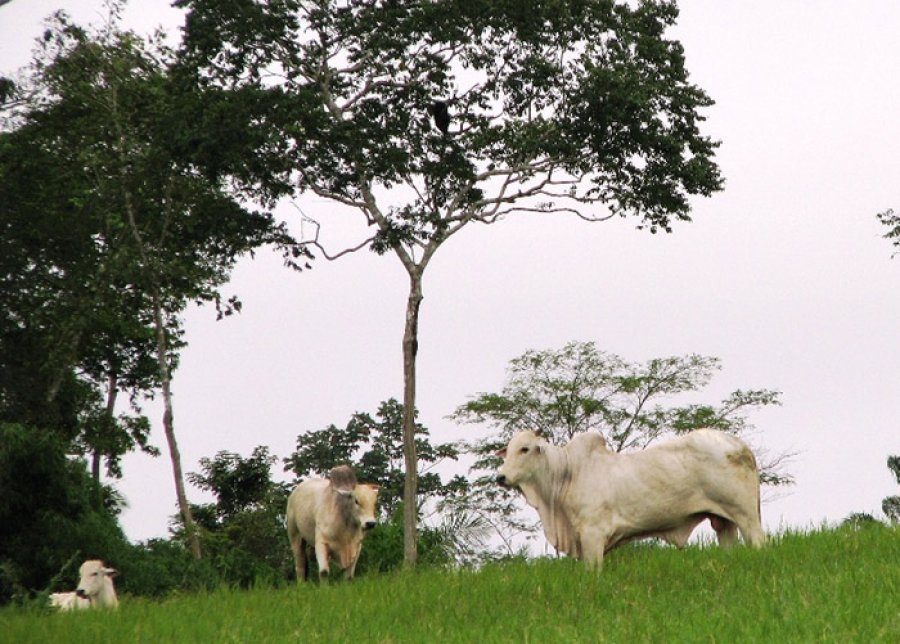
<point x="824" y="586"/>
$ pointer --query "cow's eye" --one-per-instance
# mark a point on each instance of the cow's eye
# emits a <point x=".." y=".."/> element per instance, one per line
<point x="523" y="450"/>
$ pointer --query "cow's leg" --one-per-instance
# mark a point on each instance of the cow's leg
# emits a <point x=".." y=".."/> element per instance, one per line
<point x="322" y="558"/>
<point x="302" y="562"/>
<point x="751" y="531"/>
<point x="593" y="545"/>
<point x="298" y="548"/>
<point x="351" y="569"/>
<point x="726" y="531"/>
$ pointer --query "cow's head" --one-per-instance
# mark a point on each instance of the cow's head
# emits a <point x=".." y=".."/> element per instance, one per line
<point x="365" y="497"/>
<point x="355" y="501"/>
<point x="93" y="577"/>
<point x="521" y="458"/>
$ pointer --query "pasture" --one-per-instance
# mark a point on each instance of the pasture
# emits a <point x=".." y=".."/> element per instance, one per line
<point x="823" y="586"/>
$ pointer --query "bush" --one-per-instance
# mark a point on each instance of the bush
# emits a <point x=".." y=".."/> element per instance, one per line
<point x="383" y="547"/>
<point x="46" y="515"/>
<point x="160" y="567"/>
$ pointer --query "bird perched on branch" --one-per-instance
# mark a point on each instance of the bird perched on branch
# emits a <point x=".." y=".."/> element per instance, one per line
<point x="441" y="116"/>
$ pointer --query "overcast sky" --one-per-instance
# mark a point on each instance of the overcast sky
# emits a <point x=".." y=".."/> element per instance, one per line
<point x="783" y="275"/>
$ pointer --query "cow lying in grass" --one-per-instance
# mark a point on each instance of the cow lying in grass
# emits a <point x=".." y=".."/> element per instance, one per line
<point x="95" y="589"/>
<point x="591" y="499"/>
<point x="332" y="514"/>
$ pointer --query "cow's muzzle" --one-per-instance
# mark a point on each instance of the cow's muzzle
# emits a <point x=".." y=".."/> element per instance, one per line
<point x="368" y="525"/>
<point x="80" y="593"/>
<point x="501" y="480"/>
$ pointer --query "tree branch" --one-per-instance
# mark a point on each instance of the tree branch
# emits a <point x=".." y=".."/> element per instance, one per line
<point x="315" y="240"/>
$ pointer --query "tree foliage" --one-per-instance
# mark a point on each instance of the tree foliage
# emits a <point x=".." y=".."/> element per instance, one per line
<point x="373" y="446"/>
<point x="109" y="233"/>
<point x="569" y="91"/>
<point x="890" y="505"/>
<point x="560" y="393"/>
<point x="243" y="531"/>
<point x="891" y="221"/>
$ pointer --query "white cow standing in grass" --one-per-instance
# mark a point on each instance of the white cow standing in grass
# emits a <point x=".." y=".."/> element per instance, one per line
<point x="332" y="514"/>
<point x="95" y="589"/>
<point x="591" y="499"/>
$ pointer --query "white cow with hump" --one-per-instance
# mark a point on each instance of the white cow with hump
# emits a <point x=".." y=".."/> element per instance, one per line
<point x="591" y="499"/>
<point x="332" y="514"/>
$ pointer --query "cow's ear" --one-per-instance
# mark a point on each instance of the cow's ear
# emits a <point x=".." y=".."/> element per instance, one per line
<point x="501" y="453"/>
<point x="111" y="572"/>
<point x="538" y="448"/>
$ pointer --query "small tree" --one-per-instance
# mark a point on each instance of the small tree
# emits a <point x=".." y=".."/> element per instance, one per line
<point x="564" y="107"/>
<point x="891" y="504"/>
<point x="374" y="447"/>
<point x="560" y="393"/>
<point x="244" y="528"/>
<point x="891" y="221"/>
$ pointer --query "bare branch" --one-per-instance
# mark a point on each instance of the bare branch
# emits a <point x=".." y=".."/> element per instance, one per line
<point x="315" y="240"/>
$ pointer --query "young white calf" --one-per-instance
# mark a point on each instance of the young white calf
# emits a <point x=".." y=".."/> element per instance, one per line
<point x="68" y="601"/>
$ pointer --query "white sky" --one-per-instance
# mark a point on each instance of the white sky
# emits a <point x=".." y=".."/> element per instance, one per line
<point x="784" y="275"/>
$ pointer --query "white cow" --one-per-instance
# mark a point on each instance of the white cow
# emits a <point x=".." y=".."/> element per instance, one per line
<point x="95" y="589"/>
<point x="333" y="514"/>
<point x="591" y="499"/>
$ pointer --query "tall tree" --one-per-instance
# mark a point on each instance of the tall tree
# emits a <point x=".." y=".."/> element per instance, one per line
<point x="161" y="231"/>
<point x="69" y="333"/>
<point x="424" y="117"/>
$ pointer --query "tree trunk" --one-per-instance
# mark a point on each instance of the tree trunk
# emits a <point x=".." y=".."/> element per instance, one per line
<point x="107" y="424"/>
<point x="168" y="425"/>
<point x="184" y="507"/>
<point x="410" y="485"/>
<point x="62" y="361"/>
<point x="108" y="420"/>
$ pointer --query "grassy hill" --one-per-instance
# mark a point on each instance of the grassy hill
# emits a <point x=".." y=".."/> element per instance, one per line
<point x="825" y="586"/>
